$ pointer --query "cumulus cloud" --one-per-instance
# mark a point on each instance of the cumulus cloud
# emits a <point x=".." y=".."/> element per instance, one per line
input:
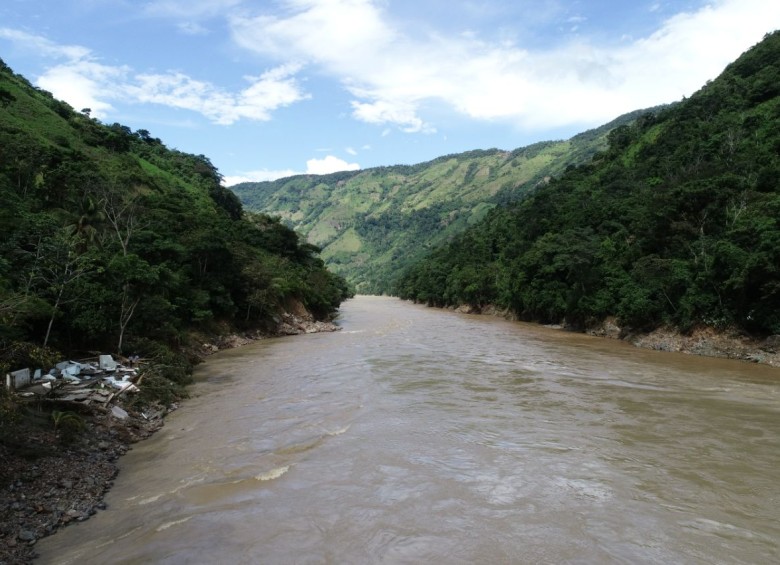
<point x="400" y="112"/>
<point x="392" y="75"/>
<point x="83" y="82"/>
<point x="258" y="176"/>
<point x="271" y="90"/>
<point x="324" y="166"/>
<point x="43" y="45"/>
<point x="329" y="164"/>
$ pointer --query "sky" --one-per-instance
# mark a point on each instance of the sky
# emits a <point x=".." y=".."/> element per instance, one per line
<point x="268" y="89"/>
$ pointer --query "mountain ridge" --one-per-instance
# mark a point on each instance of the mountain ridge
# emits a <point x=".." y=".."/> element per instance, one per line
<point x="372" y="223"/>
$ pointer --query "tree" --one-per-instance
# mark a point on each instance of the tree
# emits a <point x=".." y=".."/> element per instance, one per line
<point x="60" y="266"/>
<point x="122" y="212"/>
<point x="6" y="98"/>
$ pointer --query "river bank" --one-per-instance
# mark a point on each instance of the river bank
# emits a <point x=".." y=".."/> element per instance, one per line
<point x="47" y="484"/>
<point x="706" y="341"/>
<point x="422" y="436"/>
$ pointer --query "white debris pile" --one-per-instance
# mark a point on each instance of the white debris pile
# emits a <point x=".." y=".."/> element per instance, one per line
<point x="85" y="382"/>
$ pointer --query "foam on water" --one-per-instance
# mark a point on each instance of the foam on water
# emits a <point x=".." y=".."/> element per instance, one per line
<point x="167" y="525"/>
<point x="272" y="474"/>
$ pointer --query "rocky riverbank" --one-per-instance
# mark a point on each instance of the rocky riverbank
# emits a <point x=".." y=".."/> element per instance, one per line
<point x="709" y="342"/>
<point x="726" y="343"/>
<point x="46" y="483"/>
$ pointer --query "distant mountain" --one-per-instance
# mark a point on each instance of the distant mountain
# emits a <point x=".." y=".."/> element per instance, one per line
<point x="372" y="223"/>
<point x="677" y="223"/>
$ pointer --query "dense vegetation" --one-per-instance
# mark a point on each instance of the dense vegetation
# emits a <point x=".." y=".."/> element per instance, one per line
<point x="676" y="223"/>
<point x="371" y="224"/>
<point x="110" y="241"/>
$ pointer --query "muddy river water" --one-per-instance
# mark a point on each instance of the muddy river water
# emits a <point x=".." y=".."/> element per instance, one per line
<point x="425" y="436"/>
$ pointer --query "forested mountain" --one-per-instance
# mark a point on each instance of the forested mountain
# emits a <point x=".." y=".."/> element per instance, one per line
<point x="676" y="223"/>
<point x="370" y="224"/>
<point x="110" y="241"/>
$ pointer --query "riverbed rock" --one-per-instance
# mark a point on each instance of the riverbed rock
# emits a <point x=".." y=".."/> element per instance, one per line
<point x="26" y="535"/>
<point x="608" y="328"/>
<point x="771" y="344"/>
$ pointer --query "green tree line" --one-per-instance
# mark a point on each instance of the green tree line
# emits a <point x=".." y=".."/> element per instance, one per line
<point x="111" y="241"/>
<point x="675" y="223"/>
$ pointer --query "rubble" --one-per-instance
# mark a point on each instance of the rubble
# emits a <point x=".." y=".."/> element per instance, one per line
<point x="84" y="382"/>
<point x="45" y="483"/>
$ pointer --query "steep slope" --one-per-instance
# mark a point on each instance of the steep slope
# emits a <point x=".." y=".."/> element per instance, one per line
<point x="110" y="240"/>
<point x="677" y="223"/>
<point x="370" y="224"/>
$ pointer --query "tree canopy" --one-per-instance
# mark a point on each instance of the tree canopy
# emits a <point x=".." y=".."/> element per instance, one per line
<point x="675" y="223"/>
<point x="109" y="240"/>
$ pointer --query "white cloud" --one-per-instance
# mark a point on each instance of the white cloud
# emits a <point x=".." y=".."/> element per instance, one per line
<point x="274" y="89"/>
<point x="324" y="166"/>
<point x="393" y="76"/>
<point x="351" y="151"/>
<point x="329" y="164"/>
<point x="83" y="82"/>
<point x="44" y="46"/>
<point x="400" y="112"/>
<point x="394" y="72"/>
<point x="258" y="176"/>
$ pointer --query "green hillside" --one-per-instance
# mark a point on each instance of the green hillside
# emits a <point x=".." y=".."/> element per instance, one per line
<point x="676" y="223"/>
<point x="370" y="224"/>
<point x="110" y="241"/>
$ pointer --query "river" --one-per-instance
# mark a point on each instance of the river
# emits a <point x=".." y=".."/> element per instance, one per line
<point x="425" y="436"/>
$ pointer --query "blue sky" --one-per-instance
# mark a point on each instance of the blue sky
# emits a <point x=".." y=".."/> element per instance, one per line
<point x="274" y="88"/>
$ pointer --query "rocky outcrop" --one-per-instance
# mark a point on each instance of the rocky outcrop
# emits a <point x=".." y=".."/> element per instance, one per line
<point x="293" y="324"/>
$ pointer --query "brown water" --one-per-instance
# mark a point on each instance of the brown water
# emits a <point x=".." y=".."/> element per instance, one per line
<point x="425" y="436"/>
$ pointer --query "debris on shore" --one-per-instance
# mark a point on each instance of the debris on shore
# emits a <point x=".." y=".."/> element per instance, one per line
<point x="48" y="479"/>
<point x="79" y="418"/>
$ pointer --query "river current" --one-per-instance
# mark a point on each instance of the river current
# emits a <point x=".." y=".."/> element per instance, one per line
<point x="425" y="436"/>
